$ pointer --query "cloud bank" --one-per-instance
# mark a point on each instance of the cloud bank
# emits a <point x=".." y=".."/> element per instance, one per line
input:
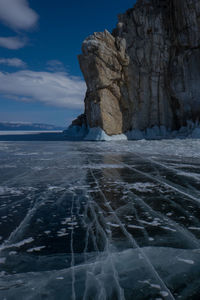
<point x="57" y="89"/>
<point x="13" y="62"/>
<point x="12" y="43"/>
<point x="55" y="65"/>
<point x="17" y="14"/>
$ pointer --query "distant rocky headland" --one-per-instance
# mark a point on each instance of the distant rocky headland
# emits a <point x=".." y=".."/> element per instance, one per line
<point x="144" y="77"/>
<point x="22" y="126"/>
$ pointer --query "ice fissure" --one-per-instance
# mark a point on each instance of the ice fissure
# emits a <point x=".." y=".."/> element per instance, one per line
<point x="127" y="227"/>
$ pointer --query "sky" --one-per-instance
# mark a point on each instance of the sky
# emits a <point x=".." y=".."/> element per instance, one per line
<point x="40" y="78"/>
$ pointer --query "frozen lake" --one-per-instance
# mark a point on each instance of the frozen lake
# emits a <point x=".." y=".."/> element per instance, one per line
<point x="100" y="221"/>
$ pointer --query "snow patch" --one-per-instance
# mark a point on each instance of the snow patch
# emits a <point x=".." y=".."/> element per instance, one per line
<point x="187" y="261"/>
<point x="17" y="245"/>
<point x="7" y="190"/>
<point x="113" y="224"/>
<point x="135" y="226"/>
<point x="164" y="293"/>
<point x="56" y="188"/>
<point x="36" y="249"/>
<point x="194" y="228"/>
<point x="144" y="187"/>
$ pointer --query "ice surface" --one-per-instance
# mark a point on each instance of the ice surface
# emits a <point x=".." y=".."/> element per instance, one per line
<point x="97" y="134"/>
<point x="76" y="132"/>
<point x="83" y="220"/>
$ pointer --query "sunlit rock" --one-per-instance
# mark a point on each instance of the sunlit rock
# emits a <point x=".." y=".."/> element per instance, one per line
<point x="147" y="72"/>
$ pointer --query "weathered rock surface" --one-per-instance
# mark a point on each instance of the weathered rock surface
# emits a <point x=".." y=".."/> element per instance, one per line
<point x="147" y="72"/>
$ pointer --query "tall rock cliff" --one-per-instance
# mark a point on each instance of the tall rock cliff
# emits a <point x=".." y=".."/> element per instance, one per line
<point x="147" y="72"/>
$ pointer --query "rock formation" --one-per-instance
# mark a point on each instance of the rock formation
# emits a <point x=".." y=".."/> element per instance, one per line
<point x="147" y="72"/>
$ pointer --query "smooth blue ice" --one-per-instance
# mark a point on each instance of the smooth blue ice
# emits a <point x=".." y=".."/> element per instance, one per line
<point x="100" y="221"/>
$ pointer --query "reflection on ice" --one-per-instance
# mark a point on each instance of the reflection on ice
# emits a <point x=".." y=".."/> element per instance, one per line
<point x="100" y="220"/>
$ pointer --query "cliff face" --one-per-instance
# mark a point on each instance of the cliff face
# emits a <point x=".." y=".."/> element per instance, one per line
<point x="147" y="72"/>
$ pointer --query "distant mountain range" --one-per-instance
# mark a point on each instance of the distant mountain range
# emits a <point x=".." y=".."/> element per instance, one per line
<point x="6" y="126"/>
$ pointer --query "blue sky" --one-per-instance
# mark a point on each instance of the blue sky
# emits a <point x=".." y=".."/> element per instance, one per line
<point x="40" y="78"/>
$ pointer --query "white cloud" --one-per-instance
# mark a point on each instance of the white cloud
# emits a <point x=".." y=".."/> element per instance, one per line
<point x="17" y="14"/>
<point x="13" y="62"/>
<point x="55" y="65"/>
<point x="12" y="43"/>
<point x="57" y="89"/>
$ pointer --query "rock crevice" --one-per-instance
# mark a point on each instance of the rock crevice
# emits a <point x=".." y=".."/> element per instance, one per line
<point x="147" y="72"/>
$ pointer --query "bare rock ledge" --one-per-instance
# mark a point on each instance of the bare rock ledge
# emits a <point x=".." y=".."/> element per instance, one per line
<point x="147" y="72"/>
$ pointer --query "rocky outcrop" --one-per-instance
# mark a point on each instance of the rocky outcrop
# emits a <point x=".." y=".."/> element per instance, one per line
<point x="102" y="63"/>
<point x="147" y="72"/>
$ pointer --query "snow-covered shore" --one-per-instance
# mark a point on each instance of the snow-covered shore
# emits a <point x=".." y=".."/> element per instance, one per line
<point x="192" y="130"/>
